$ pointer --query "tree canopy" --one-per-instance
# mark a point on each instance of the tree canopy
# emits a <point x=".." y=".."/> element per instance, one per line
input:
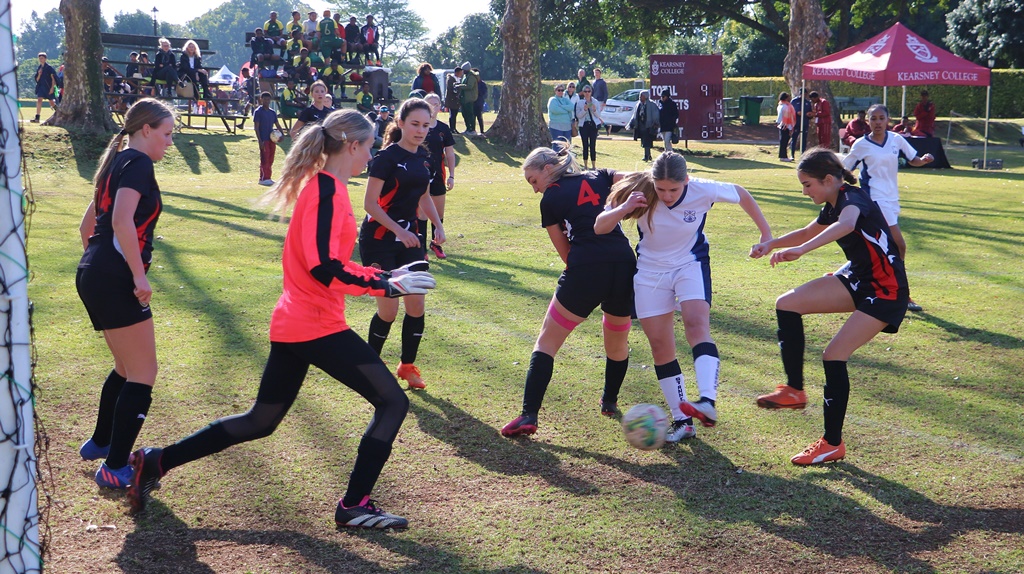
<point x="401" y="30"/>
<point x="982" y="30"/>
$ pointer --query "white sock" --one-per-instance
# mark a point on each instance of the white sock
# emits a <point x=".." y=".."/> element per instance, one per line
<point x="675" y="393"/>
<point x="706" y="367"/>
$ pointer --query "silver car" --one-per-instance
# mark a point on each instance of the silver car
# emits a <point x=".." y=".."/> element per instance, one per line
<point x="618" y="110"/>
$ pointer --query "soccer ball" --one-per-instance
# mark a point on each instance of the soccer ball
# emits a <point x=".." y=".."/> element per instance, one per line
<point x="276" y="135"/>
<point x="645" y="426"/>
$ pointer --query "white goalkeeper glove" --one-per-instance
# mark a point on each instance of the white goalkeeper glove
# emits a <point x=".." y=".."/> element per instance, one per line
<point x="410" y="267"/>
<point x="409" y="283"/>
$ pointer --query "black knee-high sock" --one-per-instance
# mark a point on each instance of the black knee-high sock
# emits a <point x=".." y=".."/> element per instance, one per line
<point x="791" y="345"/>
<point x="537" y="378"/>
<point x="614" y="374"/>
<point x="129" y="414"/>
<point x="422" y="227"/>
<point x="373" y="454"/>
<point x="412" y="333"/>
<point x="108" y="402"/>
<point x="210" y="439"/>
<point x="837" y="394"/>
<point x="379" y="329"/>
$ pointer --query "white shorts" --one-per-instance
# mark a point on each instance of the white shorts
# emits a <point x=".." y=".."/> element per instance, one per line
<point x="658" y="293"/>
<point x="890" y="210"/>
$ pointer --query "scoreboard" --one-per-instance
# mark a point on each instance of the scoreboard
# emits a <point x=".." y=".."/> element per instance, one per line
<point x="695" y="83"/>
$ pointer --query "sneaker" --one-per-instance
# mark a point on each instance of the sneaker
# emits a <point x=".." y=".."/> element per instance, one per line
<point x="437" y="250"/>
<point x="469" y="134"/>
<point x="703" y="410"/>
<point x="34" y="120"/>
<point x="523" y="424"/>
<point x="411" y="374"/>
<point x="119" y="478"/>
<point x="820" y="452"/>
<point x="91" y="451"/>
<point x="911" y="306"/>
<point x="609" y="409"/>
<point x="267" y="182"/>
<point x="146" y="477"/>
<point x="367" y="515"/>
<point x="681" y="429"/>
<point x="784" y="397"/>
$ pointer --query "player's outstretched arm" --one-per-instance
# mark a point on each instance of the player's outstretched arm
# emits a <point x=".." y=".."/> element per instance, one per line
<point x="753" y="210"/>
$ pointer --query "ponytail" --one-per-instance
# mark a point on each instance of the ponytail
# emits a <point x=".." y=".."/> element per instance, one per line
<point x="147" y="111"/>
<point x="563" y="160"/>
<point x="310" y="152"/>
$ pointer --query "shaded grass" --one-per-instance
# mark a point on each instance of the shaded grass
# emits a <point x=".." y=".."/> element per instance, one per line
<point x="933" y="482"/>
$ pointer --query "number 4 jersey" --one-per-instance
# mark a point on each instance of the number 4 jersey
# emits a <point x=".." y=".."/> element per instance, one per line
<point x="575" y="201"/>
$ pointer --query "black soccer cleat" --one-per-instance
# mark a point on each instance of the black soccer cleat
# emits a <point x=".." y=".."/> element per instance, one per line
<point x="147" y="476"/>
<point x="367" y="515"/>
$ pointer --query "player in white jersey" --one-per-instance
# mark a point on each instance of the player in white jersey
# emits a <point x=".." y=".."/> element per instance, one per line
<point x="674" y="273"/>
<point x="877" y="156"/>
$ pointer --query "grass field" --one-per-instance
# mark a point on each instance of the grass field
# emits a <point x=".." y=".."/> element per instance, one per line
<point x="933" y="482"/>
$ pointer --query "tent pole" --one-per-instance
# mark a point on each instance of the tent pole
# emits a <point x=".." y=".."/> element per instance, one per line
<point x="988" y="100"/>
<point x="885" y="96"/>
<point x="903" y="106"/>
<point x="803" y="112"/>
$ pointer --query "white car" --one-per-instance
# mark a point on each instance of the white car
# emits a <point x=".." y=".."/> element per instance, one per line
<point x="618" y="110"/>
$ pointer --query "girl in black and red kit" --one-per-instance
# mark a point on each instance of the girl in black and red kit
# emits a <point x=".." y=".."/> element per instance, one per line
<point x="308" y="324"/>
<point x="875" y="291"/>
<point x="117" y="233"/>
<point x="390" y="236"/>
<point x="599" y="270"/>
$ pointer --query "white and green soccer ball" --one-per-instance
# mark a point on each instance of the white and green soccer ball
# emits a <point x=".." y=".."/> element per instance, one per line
<point x="645" y="426"/>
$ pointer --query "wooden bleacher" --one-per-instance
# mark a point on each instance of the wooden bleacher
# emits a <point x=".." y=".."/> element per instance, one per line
<point x="117" y="48"/>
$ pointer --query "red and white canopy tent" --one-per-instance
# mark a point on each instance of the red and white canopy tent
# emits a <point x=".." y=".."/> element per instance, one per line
<point x="900" y="57"/>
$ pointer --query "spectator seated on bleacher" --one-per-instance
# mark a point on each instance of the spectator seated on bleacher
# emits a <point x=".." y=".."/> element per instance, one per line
<point x="293" y="100"/>
<point x="382" y="122"/>
<point x="263" y="54"/>
<point x="370" y="34"/>
<point x="294" y="25"/>
<point x="131" y="71"/>
<point x="164" y="67"/>
<point x="334" y="75"/>
<point x="354" y="37"/>
<point x="145" y="66"/>
<point x="110" y="74"/>
<point x="300" y="67"/>
<point x="191" y="66"/>
<point x="309" y="31"/>
<point x="293" y="46"/>
<point x="364" y="100"/>
<point x="332" y="44"/>
<point x="273" y="29"/>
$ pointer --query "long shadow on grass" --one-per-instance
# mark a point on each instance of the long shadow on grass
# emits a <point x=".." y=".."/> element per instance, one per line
<point x="984" y="336"/>
<point x="806" y="513"/>
<point x="161" y="542"/>
<point x="495" y="152"/>
<point x="212" y="146"/>
<point x="219" y="217"/>
<point x="480" y="443"/>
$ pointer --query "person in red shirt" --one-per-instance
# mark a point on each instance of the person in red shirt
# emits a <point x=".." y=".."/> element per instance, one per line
<point x="308" y="324"/>
<point x="822" y="114"/>
<point x="924" y="113"/>
<point x="856" y="128"/>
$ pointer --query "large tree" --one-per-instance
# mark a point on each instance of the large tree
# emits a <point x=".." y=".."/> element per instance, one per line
<point x="982" y="30"/>
<point x="808" y="36"/>
<point x="83" y="104"/>
<point x="520" y="120"/>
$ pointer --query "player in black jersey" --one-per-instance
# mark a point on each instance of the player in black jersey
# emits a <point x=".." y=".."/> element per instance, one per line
<point x="874" y="290"/>
<point x="390" y="236"/>
<point x="441" y="145"/>
<point x="117" y="233"/>
<point x="599" y="271"/>
<point x="317" y="110"/>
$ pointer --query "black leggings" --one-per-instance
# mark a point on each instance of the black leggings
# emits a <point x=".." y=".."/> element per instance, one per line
<point x="344" y="356"/>
<point x="588" y="133"/>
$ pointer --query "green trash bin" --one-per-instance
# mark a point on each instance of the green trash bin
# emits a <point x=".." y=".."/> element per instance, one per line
<point x="750" y="110"/>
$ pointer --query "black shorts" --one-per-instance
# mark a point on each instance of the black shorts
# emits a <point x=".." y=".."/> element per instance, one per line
<point x="108" y="292"/>
<point x="438" y="185"/>
<point x="583" y="287"/>
<point x="388" y="255"/>
<point x="890" y="311"/>
<point x="43" y="91"/>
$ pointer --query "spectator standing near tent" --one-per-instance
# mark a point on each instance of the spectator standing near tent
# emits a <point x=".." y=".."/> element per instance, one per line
<point x="46" y="86"/>
<point x="786" y="121"/>
<point x="924" y="113"/>
<point x="821" y="111"/>
<point x="802" y="107"/>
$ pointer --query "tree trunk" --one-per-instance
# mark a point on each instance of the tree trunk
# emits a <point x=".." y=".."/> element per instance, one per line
<point x="520" y="120"/>
<point x="808" y="36"/>
<point x="83" y="105"/>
